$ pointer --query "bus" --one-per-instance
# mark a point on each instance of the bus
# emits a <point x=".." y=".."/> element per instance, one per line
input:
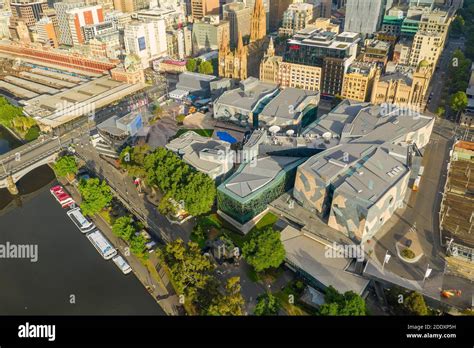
<point x="102" y="245"/>
<point x="80" y="220"/>
<point x="122" y="264"/>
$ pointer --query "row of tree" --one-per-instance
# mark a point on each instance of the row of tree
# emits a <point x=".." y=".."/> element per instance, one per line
<point x="178" y="181"/>
<point x="200" y="66"/>
<point x="464" y="25"/>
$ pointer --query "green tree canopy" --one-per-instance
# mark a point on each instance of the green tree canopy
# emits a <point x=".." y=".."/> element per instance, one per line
<point x="137" y="245"/>
<point x="415" y="304"/>
<point x="179" y="181"/>
<point x="457" y="26"/>
<point x="264" y="250"/>
<point x="267" y="304"/>
<point x="65" y="166"/>
<point x="124" y="228"/>
<point x="458" y="101"/>
<point x="206" y="68"/>
<point x="189" y="269"/>
<point x="133" y="160"/>
<point x="347" y="304"/>
<point x="96" y="195"/>
<point x="229" y="303"/>
<point x="191" y="65"/>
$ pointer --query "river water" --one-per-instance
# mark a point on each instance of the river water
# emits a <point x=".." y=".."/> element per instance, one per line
<point x="69" y="277"/>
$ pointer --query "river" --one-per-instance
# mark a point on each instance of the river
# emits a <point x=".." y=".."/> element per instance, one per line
<point x="69" y="277"/>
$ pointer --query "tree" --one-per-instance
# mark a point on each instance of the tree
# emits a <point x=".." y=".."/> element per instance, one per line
<point x="177" y="180"/>
<point x="191" y="65"/>
<point x="96" y="195"/>
<point x="229" y="303"/>
<point x="440" y="111"/>
<point x="137" y="245"/>
<point x="415" y="304"/>
<point x="457" y="26"/>
<point x="347" y="304"/>
<point x="132" y="159"/>
<point x="65" y="166"/>
<point x="157" y="111"/>
<point x="190" y="270"/>
<point x="264" y="250"/>
<point x="123" y="227"/>
<point x="206" y="68"/>
<point x="458" y="101"/>
<point x="267" y="304"/>
<point x="180" y="118"/>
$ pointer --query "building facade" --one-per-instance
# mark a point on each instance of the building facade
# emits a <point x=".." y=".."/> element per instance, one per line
<point x="358" y="81"/>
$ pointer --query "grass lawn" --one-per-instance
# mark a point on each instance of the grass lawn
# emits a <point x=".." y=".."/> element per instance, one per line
<point x="204" y="132"/>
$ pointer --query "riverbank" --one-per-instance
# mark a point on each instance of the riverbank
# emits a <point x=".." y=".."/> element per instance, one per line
<point x="70" y="277"/>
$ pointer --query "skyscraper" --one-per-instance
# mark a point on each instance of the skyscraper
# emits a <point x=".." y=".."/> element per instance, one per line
<point x="238" y="16"/>
<point x="363" y="16"/>
<point x="61" y="8"/>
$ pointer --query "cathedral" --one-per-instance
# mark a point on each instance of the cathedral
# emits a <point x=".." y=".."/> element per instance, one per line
<point x="244" y="61"/>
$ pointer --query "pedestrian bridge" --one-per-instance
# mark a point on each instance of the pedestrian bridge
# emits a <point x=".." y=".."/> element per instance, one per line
<point x="22" y="160"/>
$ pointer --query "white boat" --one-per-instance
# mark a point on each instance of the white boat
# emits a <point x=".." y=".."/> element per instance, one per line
<point x="122" y="264"/>
<point x="102" y="245"/>
<point x="80" y="220"/>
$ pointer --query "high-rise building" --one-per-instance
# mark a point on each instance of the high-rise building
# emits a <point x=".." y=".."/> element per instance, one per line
<point x="46" y="32"/>
<point x="276" y="10"/>
<point x="202" y="8"/>
<point x="295" y="18"/>
<point x="207" y="34"/>
<point x="330" y="52"/>
<point x="128" y="6"/>
<point x="147" y="40"/>
<point x="64" y="33"/>
<point x="363" y="16"/>
<point x="80" y="17"/>
<point x="238" y="16"/>
<point x="326" y="7"/>
<point x="427" y="45"/>
<point x="28" y="11"/>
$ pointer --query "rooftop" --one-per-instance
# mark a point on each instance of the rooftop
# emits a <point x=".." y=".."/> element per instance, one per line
<point x="249" y="93"/>
<point x="285" y="103"/>
<point x="309" y="255"/>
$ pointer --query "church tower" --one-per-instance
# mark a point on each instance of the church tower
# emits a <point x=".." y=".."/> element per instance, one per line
<point x="258" y="28"/>
<point x="224" y="50"/>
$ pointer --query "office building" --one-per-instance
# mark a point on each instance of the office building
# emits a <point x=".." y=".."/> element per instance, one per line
<point x="46" y="32"/>
<point x="358" y="81"/>
<point x="364" y="17"/>
<point x="330" y="53"/>
<point x="65" y="37"/>
<point x="80" y="17"/>
<point x="203" y="8"/>
<point x="207" y="34"/>
<point x="295" y="18"/>
<point x="238" y="16"/>
<point x="147" y="40"/>
<point x="276" y="10"/>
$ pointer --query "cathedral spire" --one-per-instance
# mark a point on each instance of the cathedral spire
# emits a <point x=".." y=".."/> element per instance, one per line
<point x="258" y="28"/>
<point x="224" y="46"/>
<point x="240" y="44"/>
<point x="271" y="48"/>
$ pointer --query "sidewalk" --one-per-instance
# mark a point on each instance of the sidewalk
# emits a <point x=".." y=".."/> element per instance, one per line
<point x="158" y="284"/>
